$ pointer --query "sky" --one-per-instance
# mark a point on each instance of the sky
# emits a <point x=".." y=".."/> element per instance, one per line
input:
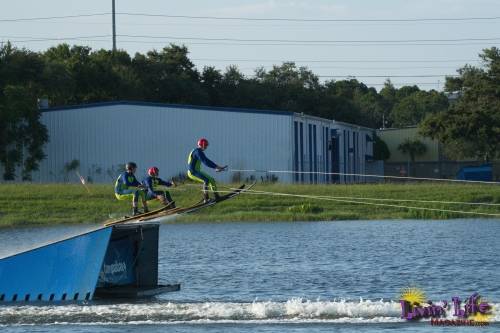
<point x="409" y="42"/>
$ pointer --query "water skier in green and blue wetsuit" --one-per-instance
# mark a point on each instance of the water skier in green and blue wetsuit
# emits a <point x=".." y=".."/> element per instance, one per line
<point x="195" y="159"/>
<point x="153" y="180"/>
<point x="128" y="187"/>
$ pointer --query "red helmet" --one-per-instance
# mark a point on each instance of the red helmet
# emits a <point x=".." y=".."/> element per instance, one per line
<point x="153" y="171"/>
<point x="203" y="143"/>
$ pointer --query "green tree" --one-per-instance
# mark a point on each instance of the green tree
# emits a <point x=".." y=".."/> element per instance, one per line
<point x="388" y="94"/>
<point x="471" y="126"/>
<point x="380" y="150"/>
<point x="290" y="87"/>
<point x="414" y="107"/>
<point x="21" y="134"/>
<point x="371" y="105"/>
<point x="169" y="76"/>
<point x="413" y="148"/>
<point x="211" y="81"/>
<point x="233" y="88"/>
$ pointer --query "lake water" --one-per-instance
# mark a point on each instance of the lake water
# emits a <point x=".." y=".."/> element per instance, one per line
<point x="294" y="277"/>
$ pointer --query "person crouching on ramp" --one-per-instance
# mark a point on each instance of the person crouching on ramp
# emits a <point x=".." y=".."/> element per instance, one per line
<point x="196" y="157"/>
<point x="151" y="181"/>
<point x="128" y="187"/>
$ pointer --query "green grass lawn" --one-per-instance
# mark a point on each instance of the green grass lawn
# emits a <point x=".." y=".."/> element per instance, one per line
<point x="23" y="204"/>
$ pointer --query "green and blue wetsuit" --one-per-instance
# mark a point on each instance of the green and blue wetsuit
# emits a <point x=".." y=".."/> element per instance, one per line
<point x="126" y="187"/>
<point x="151" y="182"/>
<point x="196" y="157"/>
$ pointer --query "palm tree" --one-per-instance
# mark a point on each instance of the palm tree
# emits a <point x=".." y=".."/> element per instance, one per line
<point x="413" y="148"/>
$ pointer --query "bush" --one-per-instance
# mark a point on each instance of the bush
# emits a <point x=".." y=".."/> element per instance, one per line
<point x="305" y="209"/>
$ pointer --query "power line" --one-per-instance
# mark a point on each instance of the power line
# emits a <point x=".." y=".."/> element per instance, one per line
<point x="404" y="83"/>
<point x="353" y="76"/>
<point x="363" y="68"/>
<point x="335" y="61"/>
<point x="393" y="83"/>
<point x="40" y="39"/>
<point x="313" y="41"/>
<point x="113" y="15"/>
<point x="51" y="17"/>
<point x="291" y="42"/>
<point x="312" y="20"/>
<point x="261" y="44"/>
<point x="222" y="25"/>
<point x="303" y="44"/>
<point x="382" y="76"/>
<point x="444" y="19"/>
<point x="270" y="42"/>
<point x="276" y="42"/>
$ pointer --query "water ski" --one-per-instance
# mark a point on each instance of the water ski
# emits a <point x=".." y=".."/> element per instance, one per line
<point x="212" y="202"/>
<point x="136" y="217"/>
<point x="164" y="212"/>
<point x="200" y="205"/>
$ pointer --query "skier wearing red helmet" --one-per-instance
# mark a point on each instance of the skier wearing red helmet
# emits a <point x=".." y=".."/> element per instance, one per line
<point x="195" y="159"/>
<point x="151" y="181"/>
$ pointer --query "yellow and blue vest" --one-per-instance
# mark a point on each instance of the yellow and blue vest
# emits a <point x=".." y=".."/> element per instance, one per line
<point x="196" y="157"/>
<point x="124" y="181"/>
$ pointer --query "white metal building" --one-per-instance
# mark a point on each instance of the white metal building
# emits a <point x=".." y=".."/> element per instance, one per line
<point x="102" y="137"/>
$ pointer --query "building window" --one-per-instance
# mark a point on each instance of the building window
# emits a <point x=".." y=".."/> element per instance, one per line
<point x="302" y="151"/>
<point x="325" y="152"/>
<point x="296" y="149"/>
<point x="334" y="139"/>
<point x="310" y="154"/>
<point x="346" y="142"/>
<point x="315" y="147"/>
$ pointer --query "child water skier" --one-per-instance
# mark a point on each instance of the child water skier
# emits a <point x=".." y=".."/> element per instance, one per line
<point x="151" y="181"/>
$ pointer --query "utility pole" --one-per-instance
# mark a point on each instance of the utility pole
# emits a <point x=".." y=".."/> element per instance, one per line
<point x="114" y="27"/>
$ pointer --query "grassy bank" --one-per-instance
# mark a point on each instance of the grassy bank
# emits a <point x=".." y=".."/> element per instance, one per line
<point x="22" y="204"/>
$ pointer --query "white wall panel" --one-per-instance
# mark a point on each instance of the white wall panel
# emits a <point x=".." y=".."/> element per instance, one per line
<point x="108" y="135"/>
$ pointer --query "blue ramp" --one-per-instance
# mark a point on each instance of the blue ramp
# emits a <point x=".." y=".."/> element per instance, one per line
<point x="65" y="270"/>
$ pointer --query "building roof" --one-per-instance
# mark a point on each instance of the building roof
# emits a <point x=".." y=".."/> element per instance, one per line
<point x="396" y="128"/>
<point x="197" y="107"/>
<point x="353" y="125"/>
<point x="166" y="105"/>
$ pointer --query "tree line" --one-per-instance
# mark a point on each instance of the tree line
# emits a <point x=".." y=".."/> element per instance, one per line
<point x="69" y="75"/>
